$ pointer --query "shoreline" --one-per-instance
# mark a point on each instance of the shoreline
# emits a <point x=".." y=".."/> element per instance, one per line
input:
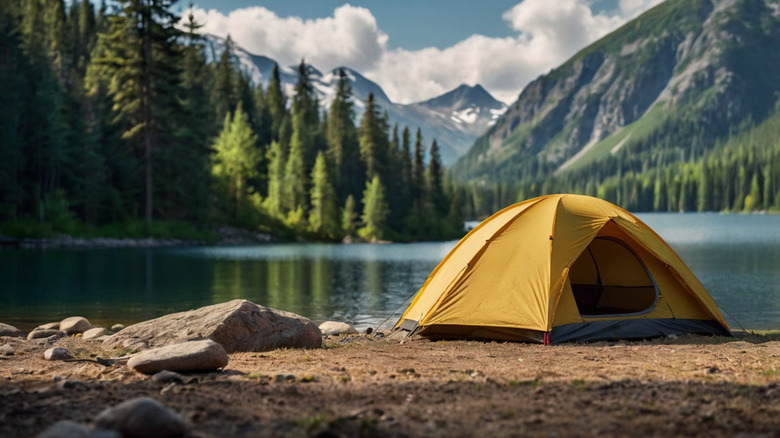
<point x="363" y="386"/>
<point x="227" y="236"/>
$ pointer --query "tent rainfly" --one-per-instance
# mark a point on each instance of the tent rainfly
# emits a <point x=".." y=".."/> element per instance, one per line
<point x="562" y="268"/>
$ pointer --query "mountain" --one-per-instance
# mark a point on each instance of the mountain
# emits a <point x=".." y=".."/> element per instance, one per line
<point x="455" y="119"/>
<point x="670" y="86"/>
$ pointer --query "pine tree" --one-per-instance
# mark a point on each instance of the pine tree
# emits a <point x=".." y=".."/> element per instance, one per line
<point x="44" y="130"/>
<point x="343" y="150"/>
<point x="12" y="83"/>
<point x="142" y="59"/>
<point x="277" y="158"/>
<point x="373" y="140"/>
<point x="323" y="216"/>
<point x="375" y="211"/>
<point x="349" y="218"/>
<point x="406" y="173"/>
<point x="305" y="109"/>
<point x="236" y="157"/>
<point x="435" y="184"/>
<point x="418" y="168"/>
<point x="276" y="102"/>
<point x="223" y="92"/>
<point x="186" y="158"/>
<point x="295" y="175"/>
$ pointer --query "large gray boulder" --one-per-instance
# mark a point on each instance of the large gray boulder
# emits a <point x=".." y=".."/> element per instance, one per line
<point x="194" y="356"/>
<point x="237" y="325"/>
<point x="9" y="330"/>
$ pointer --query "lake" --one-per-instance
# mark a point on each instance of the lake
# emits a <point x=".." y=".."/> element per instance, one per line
<point x="737" y="258"/>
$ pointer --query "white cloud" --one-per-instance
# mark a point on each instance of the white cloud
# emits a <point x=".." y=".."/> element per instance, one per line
<point x="548" y="33"/>
<point x="350" y="37"/>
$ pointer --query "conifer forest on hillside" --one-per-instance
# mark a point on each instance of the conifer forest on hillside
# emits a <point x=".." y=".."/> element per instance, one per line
<point x="114" y="121"/>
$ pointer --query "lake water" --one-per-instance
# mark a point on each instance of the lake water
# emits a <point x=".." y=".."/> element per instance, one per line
<point x="737" y="257"/>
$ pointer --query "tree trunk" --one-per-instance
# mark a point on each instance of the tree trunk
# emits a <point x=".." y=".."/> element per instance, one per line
<point x="147" y="113"/>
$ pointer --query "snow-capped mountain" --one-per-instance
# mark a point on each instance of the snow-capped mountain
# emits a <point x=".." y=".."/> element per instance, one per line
<point x="455" y="119"/>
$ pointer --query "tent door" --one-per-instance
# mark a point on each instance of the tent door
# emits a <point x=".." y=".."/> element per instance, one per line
<point x="608" y="278"/>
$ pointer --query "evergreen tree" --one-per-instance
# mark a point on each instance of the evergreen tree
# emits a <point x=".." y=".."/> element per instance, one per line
<point x="295" y="177"/>
<point x="305" y="109"/>
<point x="236" y="157"/>
<point x="323" y="217"/>
<point x="375" y="210"/>
<point x="186" y="158"/>
<point x="223" y="92"/>
<point x="276" y="102"/>
<point x="44" y="129"/>
<point x="406" y="173"/>
<point x="349" y="218"/>
<point x="264" y="118"/>
<point x="12" y="83"/>
<point x="142" y="59"/>
<point x="277" y="159"/>
<point x="418" y="168"/>
<point x="343" y="150"/>
<point x="373" y="140"/>
<point x="435" y="184"/>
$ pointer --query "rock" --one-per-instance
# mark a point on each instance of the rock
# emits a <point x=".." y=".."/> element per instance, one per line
<point x="74" y="325"/>
<point x="57" y="353"/>
<point x="95" y="333"/>
<point x="166" y="376"/>
<point x="7" y="350"/>
<point x="70" y="384"/>
<point x="205" y="355"/>
<point x="49" y="326"/>
<point x="117" y="327"/>
<point x="333" y="328"/>
<point x="45" y="333"/>
<point x="70" y="429"/>
<point x="9" y="330"/>
<point x="142" y="418"/>
<point x="237" y="325"/>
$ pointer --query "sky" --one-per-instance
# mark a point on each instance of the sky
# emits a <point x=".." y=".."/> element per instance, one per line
<point x="418" y="49"/>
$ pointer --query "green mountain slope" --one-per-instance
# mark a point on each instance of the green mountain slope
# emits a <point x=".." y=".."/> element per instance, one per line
<point x="670" y="87"/>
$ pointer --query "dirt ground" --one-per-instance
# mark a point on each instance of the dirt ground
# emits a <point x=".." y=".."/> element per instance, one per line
<point x="364" y="386"/>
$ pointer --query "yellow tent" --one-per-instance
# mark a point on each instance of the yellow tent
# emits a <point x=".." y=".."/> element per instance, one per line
<point x="562" y="268"/>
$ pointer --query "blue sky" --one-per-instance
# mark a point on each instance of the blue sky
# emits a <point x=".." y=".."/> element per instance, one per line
<point x="417" y="49"/>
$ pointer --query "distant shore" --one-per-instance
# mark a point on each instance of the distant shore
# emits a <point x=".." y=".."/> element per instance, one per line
<point x="226" y="236"/>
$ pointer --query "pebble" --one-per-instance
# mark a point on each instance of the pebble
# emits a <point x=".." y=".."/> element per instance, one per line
<point x="142" y="418"/>
<point x="7" y="350"/>
<point x="335" y="328"/>
<point x="9" y="330"/>
<point x="117" y="327"/>
<point x="95" y="333"/>
<point x="205" y="355"/>
<point x="45" y="333"/>
<point x="57" y="353"/>
<point x="70" y="429"/>
<point x="74" y="325"/>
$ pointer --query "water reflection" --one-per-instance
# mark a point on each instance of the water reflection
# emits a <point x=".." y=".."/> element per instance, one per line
<point x="735" y="256"/>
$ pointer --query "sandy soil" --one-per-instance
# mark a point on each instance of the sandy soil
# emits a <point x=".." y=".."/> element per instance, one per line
<point x="362" y="386"/>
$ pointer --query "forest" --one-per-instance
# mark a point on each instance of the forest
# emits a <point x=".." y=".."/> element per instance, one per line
<point x="677" y="168"/>
<point x="114" y="121"/>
